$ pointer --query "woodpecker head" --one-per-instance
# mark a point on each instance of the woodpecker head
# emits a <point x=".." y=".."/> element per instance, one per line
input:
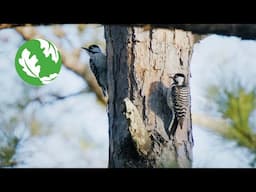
<point x="92" y="50"/>
<point x="179" y="79"/>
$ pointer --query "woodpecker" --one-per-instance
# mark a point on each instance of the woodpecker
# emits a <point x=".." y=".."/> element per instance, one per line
<point x="178" y="100"/>
<point x="98" y="65"/>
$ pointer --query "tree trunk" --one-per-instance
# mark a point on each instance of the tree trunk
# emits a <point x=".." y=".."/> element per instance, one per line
<point x="139" y="65"/>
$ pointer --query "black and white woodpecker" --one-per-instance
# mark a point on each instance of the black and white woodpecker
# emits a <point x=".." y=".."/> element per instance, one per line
<point x="178" y="100"/>
<point x="98" y="65"/>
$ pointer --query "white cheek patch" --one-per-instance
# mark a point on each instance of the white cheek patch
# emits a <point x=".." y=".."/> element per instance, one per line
<point x="180" y="80"/>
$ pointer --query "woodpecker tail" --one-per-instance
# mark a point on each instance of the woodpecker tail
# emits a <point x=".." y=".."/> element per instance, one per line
<point x="181" y="123"/>
<point x="173" y="127"/>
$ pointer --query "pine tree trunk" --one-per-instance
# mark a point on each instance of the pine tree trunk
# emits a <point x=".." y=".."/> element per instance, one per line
<point x="139" y="65"/>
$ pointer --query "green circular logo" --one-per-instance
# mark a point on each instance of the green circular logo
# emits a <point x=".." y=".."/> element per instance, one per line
<point x="38" y="62"/>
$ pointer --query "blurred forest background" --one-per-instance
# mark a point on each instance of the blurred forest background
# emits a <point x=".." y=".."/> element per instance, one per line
<point x="65" y="124"/>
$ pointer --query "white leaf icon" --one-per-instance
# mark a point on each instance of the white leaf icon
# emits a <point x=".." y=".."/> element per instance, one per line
<point x="29" y="64"/>
<point x="46" y="80"/>
<point x="49" y="49"/>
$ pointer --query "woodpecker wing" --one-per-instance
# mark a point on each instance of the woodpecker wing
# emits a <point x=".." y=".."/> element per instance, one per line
<point x="101" y="80"/>
<point x="181" y="102"/>
<point x="93" y="68"/>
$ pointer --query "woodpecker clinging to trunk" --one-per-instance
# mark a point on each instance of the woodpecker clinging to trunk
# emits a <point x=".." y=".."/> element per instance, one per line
<point x="98" y="65"/>
<point x="178" y="100"/>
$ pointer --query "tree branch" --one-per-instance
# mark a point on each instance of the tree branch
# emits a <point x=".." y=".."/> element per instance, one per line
<point x="45" y="101"/>
<point x="57" y="97"/>
<point x="6" y="25"/>
<point x="217" y="125"/>
<point x="244" y="31"/>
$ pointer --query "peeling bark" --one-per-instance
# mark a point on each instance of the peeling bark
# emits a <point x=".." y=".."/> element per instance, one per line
<point x="139" y="65"/>
<point x="139" y="134"/>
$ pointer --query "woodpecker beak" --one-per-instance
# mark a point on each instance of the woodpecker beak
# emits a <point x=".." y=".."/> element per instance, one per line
<point x="85" y="49"/>
<point x="172" y="77"/>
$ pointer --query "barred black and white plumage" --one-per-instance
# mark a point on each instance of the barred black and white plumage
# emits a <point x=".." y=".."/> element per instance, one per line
<point x="98" y="66"/>
<point x="181" y="101"/>
<point x="178" y="101"/>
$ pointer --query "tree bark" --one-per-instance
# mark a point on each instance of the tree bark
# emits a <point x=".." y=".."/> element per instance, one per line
<point x="139" y="65"/>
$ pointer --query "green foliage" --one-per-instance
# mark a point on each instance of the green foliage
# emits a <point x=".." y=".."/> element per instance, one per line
<point x="8" y="151"/>
<point x="236" y="106"/>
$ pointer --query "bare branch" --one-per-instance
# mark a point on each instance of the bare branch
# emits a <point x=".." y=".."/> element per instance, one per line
<point x="44" y="99"/>
<point x="70" y="61"/>
<point x="244" y="31"/>
<point x="57" y="97"/>
<point x="217" y="125"/>
<point x="6" y="25"/>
